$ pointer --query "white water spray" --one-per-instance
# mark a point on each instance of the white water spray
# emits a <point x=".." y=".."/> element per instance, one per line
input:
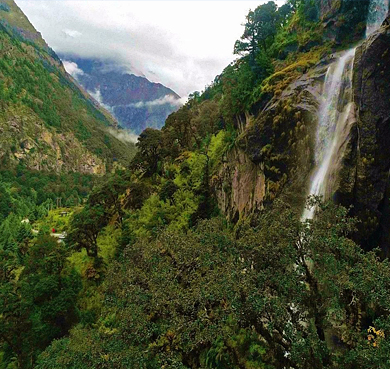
<point x="376" y="15"/>
<point x="337" y="113"/>
<point x="335" y="116"/>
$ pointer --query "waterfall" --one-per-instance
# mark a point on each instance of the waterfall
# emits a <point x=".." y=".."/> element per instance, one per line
<point x="337" y="113"/>
<point x="335" y="116"/>
<point x="377" y="12"/>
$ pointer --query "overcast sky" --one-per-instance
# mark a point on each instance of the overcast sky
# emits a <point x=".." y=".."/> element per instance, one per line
<point x="181" y="44"/>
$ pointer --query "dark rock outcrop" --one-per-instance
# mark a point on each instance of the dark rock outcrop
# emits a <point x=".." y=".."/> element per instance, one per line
<point x="343" y="20"/>
<point x="240" y="186"/>
<point x="365" y="174"/>
<point x="275" y="151"/>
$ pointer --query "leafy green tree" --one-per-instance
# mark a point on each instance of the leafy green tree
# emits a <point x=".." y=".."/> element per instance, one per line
<point x="284" y="13"/>
<point x="85" y="227"/>
<point x="238" y="81"/>
<point x="109" y="193"/>
<point x="150" y="151"/>
<point x="40" y="304"/>
<point x="260" y="29"/>
<point x="177" y="133"/>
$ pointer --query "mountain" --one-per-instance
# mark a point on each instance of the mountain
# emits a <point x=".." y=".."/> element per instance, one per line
<point x="205" y="252"/>
<point x="136" y="102"/>
<point x="47" y="122"/>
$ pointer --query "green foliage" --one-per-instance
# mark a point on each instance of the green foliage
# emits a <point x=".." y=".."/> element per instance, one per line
<point x="34" y="85"/>
<point x="219" y="144"/>
<point x="37" y="302"/>
<point x="260" y="29"/>
<point x="181" y="309"/>
<point x="104" y="203"/>
<point x="238" y="81"/>
<point x="149" y="152"/>
<point x="82" y="132"/>
<point x="31" y="193"/>
<point x="4" y="7"/>
<point x="209" y="298"/>
<point x="149" y="276"/>
<point x="85" y="227"/>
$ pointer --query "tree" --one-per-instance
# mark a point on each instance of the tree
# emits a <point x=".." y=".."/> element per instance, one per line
<point x="85" y="227"/>
<point x="284" y="13"/>
<point x="177" y="132"/>
<point x="39" y="305"/>
<point x="108" y="194"/>
<point x="150" y="151"/>
<point x="260" y="29"/>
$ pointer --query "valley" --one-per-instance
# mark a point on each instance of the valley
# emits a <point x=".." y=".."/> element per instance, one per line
<point x="135" y="102"/>
<point x="250" y="230"/>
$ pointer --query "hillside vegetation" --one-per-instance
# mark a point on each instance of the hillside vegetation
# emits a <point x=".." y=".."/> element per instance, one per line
<point x="194" y="256"/>
<point x="46" y="121"/>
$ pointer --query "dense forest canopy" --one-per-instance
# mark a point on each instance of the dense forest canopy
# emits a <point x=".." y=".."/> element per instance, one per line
<point x="162" y="264"/>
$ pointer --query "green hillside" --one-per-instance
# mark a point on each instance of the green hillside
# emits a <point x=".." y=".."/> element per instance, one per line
<point x="47" y="122"/>
<point x="196" y="255"/>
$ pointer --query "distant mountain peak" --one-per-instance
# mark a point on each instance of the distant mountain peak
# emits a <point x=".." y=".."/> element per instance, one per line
<point x="136" y="102"/>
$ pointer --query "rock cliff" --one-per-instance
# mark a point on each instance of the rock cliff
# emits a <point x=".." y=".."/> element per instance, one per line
<point x="275" y="148"/>
<point x="365" y="174"/>
<point x="343" y="20"/>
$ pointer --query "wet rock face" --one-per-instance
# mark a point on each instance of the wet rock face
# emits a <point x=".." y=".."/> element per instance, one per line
<point x="343" y="20"/>
<point x="365" y="175"/>
<point x="281" y="136"/>
<point x="239" y="186"/>
<point x="275" y="151"/>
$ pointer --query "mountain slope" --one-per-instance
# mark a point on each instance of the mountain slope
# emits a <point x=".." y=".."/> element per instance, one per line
<point x="136" y="102"/>
<point x="46" y="121"/>
<point x="166" y="284"/>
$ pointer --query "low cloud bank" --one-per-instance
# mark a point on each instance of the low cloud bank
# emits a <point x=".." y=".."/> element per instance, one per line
<point x="97" y="95"/>
<point x="124" y="135"/>
<point x="71" y="33"/>
<point x="167" y="99"/>
<point x="72" y="68"/>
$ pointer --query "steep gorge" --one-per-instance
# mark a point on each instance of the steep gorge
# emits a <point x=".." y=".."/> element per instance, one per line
<point x="282" y="141"/>
<point x="166" y="282"/>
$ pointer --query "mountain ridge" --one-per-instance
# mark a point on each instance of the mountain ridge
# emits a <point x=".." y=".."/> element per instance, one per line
<point x="136" y="102"/>
<point x="55" y="126"/>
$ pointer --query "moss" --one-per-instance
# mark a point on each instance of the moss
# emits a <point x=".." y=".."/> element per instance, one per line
<point x="288" y="71"/>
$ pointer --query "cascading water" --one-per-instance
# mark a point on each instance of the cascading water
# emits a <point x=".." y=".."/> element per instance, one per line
<point x="376" y="15"/>
<point x="336" y="113"/>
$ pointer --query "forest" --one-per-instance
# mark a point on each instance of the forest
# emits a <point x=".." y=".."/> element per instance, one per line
<point x="167" y="262"/>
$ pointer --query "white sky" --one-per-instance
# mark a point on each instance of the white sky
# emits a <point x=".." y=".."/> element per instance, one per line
<point x="181" y="44"/>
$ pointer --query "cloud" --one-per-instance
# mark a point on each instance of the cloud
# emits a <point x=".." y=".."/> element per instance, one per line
<point x="72" y="68"/>
<point x="98" y="97"/>
<point x="167" y="99"/>
<point x="72" y="33"/>
<point x="181" y="44"/>
<point x="123" y="135"/>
